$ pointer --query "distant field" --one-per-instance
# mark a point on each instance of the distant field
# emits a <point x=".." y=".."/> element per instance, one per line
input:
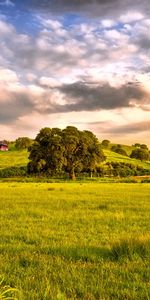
<point x="76" y="240"/>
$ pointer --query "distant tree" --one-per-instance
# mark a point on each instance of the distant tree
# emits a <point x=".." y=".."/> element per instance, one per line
<point x="68" y="150"/>
<point x="118" y="149"/>
<point x="23" y="143"/>
<point x="143" y="146"/>
<point x="137" y="145"/>
<point x="141" y="154"/>
<point x="105" y="143"/>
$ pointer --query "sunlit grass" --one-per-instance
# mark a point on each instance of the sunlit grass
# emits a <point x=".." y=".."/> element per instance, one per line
<point x="76" y="240"/>
<point x="115" y="157"/>
<point x="7" y="292"/>
<point x="13" y="158"/>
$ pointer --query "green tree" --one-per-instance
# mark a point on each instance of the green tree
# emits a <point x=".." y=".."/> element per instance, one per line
<point x="68" y="150"/>
<point x="137" y="145"/>
<point x="143" y="146"/>
<point x="23" y="143"/>
<point x="105" y="143"/>
<point x="118" y="149"/>
<point x="141" y="154"/>
<point x="92" y="151"/>
<point x="46" y="154"/>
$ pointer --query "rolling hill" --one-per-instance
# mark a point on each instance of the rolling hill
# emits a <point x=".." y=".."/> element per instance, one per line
<point x="18" y="158"/>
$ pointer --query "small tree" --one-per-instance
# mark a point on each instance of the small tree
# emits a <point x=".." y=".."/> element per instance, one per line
<point x="23" y="143"/>
<point x="137" y="145"/>
<point x="140" y="154"/>
<point x="143" y="146"/>
<point x="105" y="143"/>
<point x="118" y="149"/>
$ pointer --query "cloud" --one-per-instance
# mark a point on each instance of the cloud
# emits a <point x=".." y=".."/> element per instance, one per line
<point x="7" y="3"/>
<point x="88" y="97"/>
<point x="73" y="68"/>
<point x="132" y="128"/>
<point x="13" y="105"/>
<point x="94" y="8"/>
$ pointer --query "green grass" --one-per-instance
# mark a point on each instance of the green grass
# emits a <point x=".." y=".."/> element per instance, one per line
<point x="115" y="157"/>
<point x="13" y="158"/>
<point x="76" y="240"/>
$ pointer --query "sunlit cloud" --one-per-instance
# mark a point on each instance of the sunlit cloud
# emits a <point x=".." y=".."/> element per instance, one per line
<point x="79" y="62"/>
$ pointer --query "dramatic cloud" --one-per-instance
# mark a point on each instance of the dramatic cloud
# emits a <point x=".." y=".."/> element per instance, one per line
<point x="72" y="62"/>
<point x="86" y="97"/>
<point x="14" y="105"/>
<point x="92" y="8"/>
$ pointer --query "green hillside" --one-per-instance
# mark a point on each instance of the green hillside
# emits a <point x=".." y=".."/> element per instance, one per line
<point x="19" y="158"/>
<point x="13" y="158"/>
<point x="115" y="157"/>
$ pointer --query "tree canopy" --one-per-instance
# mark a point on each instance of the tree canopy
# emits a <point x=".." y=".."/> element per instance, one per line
<point x="23" y="143"/>
<point x="70" y="151"/>
<point x="141" y="154"/>
<point x="118" y="149"/>
<point x="105" y="143"/>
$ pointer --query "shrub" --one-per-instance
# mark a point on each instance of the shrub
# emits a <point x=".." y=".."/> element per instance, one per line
<point x="145" y="180"/>
<point x="119" y="150"/>
<point x="105" y="143"/>
<point x="13" y="172"/>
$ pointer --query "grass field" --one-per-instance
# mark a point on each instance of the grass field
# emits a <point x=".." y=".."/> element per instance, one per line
<point x="75" y="240"/>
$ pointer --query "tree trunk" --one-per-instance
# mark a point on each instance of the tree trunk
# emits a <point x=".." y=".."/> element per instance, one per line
<point x="72" y="175"/>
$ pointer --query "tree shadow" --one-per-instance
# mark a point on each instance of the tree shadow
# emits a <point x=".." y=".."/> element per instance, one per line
<point x="85" y="254"/>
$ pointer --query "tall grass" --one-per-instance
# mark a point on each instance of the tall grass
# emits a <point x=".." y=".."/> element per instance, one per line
<point x="7" y="292"/>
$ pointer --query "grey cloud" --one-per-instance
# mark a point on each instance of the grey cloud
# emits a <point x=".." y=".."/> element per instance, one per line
<point x="131" y="128"/>
<point x="85" y="97"/>
<point x="13" y="106"/>
<point x="79" y="97"/>
<point x="91" y="7"/>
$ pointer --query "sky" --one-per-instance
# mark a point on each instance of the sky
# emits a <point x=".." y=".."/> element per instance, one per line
<point x="79" y="63"/>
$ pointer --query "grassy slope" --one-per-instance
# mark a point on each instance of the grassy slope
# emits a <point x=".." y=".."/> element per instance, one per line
<point x="58" y="240"/>
<point x="115" y="157"/>
<point x="13" y="158"/>
<point x="20" y="158"/>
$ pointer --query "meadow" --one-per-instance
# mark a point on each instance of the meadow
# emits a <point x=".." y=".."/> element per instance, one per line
<point x="75" y="240"/>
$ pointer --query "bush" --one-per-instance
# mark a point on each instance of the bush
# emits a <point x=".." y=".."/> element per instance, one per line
<point x="105" y="143"/>
<point x="13" y="172"/>
<point x="141" y="154"/>
<point x="145" y="180"/>
<point x="119" y="150"/>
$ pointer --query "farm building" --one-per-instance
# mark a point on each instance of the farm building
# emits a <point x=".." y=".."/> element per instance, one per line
<point x="3" y="146"/>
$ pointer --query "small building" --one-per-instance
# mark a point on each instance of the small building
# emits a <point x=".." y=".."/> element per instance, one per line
<point x="3" y="146"/>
